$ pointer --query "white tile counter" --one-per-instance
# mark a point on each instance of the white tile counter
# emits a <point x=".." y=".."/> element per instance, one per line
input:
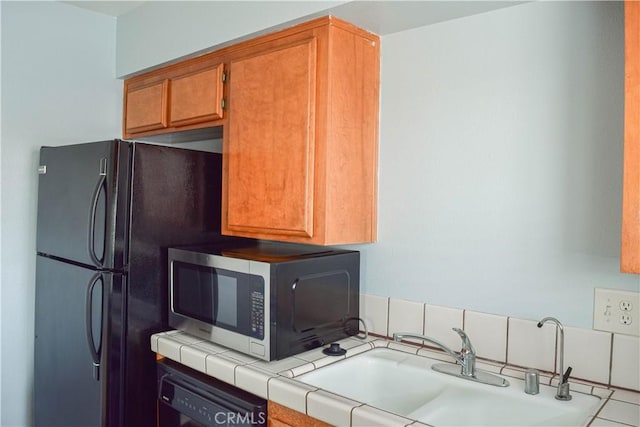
<point x="276" y="380"/>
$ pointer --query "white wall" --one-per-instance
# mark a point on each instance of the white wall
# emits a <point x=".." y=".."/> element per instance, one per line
<point x="500" y="162"/>
<point x="500" y="152"/>
<point x="58" y="87"/>
<point x="160" y="32"/>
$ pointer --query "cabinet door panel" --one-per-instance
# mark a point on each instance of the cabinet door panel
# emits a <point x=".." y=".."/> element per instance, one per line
<point x="146" y="108"/>
<point x="197" y="97"/>
<point x="271" y="141"/>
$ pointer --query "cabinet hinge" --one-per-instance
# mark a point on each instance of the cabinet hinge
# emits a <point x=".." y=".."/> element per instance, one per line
<point x="224" y="77"/>
<point x="223" y="103"/>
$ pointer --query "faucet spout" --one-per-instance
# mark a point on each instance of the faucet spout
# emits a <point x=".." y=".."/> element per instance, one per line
<point x="563" y="392"/>
<point x="466" y="359"/>
<point x="399" y="336"/>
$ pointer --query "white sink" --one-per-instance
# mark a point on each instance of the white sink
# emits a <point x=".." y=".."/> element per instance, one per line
<point x="405" y="384"/>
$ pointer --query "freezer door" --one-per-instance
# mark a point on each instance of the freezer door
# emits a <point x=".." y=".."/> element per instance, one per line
<point x="77" y="201"/>
<point x="68" y="344"/>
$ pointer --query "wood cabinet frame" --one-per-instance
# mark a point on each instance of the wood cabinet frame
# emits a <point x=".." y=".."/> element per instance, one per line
<point x="630" y="250"/>
<point x="191" y="98"/>
<point x="332" y="142"/>
<point x="336" y="200"/>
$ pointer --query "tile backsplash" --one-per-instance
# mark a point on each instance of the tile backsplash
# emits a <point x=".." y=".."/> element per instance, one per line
<point x="596" y="356"/>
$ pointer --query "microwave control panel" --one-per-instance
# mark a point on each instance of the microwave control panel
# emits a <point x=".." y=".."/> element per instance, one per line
<point x="257" y="315"/>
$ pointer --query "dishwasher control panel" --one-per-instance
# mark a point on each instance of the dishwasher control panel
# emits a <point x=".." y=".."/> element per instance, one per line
<point x="184" y="392"/>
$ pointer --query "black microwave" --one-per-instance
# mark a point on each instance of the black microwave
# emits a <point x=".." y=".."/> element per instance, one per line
<point x="269" y="300"/>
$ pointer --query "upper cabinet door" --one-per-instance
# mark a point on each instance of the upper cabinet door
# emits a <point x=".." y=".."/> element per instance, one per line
<point x="197" y="97"/>
<point x="630" y="254"/>
<point x="146" y="108"/>
<point x="271" y="142"/>
<point x="183" y="96"/>
<point x="301" y="139"/>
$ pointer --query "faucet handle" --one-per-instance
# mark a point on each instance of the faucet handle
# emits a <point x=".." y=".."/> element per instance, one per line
<point x="466" y="342"/>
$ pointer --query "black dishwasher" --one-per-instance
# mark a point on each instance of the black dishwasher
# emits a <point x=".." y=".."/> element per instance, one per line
<point x="188" y="398"/>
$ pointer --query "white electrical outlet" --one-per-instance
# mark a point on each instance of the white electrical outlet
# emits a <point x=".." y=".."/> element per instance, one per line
<point x="616" y="311"/>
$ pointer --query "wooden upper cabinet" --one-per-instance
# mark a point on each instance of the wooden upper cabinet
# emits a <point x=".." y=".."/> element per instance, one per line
<point x="630" y="254"/>
<point x="146" y="108"/>
<point x="183" y="96"/>
<point x="271" y="145"/>
<point x="300" y="128"/>
<point x="301" y="142"/>
<point x="197" y="97"/>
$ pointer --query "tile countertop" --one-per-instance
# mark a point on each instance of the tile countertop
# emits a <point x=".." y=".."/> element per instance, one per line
<point x="276" y="380"/>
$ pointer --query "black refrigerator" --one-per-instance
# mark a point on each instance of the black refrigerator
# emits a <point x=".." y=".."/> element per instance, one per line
<point x="107" y="211"/>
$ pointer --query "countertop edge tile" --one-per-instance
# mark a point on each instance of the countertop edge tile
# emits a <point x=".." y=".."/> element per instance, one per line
<point x="169" y="348"/>
<point x="221" y="368"/>
<point x="330" y="407"/>
<point x="194" y="358"/>
<point x="367" y="416"/>
<point x="253" y="380"/>
<point x="303" y="369"/>
<point x="290" y="393"/>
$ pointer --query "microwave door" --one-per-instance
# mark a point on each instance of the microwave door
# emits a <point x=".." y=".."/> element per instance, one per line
<point x="204" y="296"/>
<point x="215" y="300"/>
<point x="225" y="301"/>
<point x="191" y="292"/>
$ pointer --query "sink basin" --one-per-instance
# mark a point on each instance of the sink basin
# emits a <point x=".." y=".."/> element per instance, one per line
<point x="405" y="384"/>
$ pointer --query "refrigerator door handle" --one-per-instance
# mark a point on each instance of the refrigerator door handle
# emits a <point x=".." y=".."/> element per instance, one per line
<point x="99" y="262"/>
<point x="95" y="352"/>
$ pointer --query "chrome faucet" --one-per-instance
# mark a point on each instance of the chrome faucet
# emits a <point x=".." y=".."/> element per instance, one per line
<point x="467" y="356"/>
<point x="563" y="383"/>
<point x="467" y="359"/>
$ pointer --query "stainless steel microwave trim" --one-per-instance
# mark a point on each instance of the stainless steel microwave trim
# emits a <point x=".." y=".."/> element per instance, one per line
<point x="256" y="347"/>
